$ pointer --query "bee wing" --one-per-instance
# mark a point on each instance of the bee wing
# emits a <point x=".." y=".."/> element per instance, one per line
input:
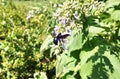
<point x="63" y="36"/>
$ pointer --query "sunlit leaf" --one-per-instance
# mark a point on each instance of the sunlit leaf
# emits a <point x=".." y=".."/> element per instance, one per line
<point x="111" y="3"/>
<point x="64" y="67"/>
<point x="59" y="67"/>
<point x="86" y="68"/>
<point x="43" y="76"/>
<point x="116" y="65"/>
<point x="46" y="43"/>
<point x="116" y="15"/>
<point x="75" y="42"/>
<point x="93" y="31"/>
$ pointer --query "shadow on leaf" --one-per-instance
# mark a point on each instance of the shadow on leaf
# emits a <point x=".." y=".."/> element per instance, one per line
<point x="101" y="64"/>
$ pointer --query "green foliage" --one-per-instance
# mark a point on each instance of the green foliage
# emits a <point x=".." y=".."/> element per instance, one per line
<point x="22" y="32"/>
<point x="93" y="47"/>
<point x="115" y="15"/>
<point x="74" y="44"/>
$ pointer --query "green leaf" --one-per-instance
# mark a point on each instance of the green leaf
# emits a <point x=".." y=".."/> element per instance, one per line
<point x="116" y="65"/>
<point x="75" y="41"/>
<point x="101" y="61"/>
<point x="64" y="65"/>
<point x="93" y="31"/>
<point x="46" y="43"/>
<point x="119" y="33"/>
<point x="86" y="68"/>
<point x="111" y="3"/>
<point x="116" y="15"/>
<point x="59" y="67"/>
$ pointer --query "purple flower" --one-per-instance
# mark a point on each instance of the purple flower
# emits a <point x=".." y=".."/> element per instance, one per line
<point x="56" y="31"/>
<point x="63" y="20"/>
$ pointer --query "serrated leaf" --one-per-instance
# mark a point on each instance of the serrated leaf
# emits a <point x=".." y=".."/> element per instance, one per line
<point x="101" y="61"/>
<point x="46" y="43"/>
<point x="86" y="68"/>
<point x="116" y="66"/>
<point x="85" y="55"/>
<point x="90" y="59"/>
<point x="64" y="65"/>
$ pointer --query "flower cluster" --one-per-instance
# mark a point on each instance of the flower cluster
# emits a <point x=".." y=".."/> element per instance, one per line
<point x="72" y="11"/>
<point x="69" y="16"/>
<point x="31" y="13"/>
<point x="60" y="38"/>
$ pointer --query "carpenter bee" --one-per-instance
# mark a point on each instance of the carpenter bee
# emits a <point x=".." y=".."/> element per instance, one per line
<point x="59" y="38"/>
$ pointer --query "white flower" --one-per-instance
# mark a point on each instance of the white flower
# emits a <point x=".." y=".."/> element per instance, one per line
<point x="57" y="13"/>
<point x="68" y="30"/>
<point x="4" y="22"/>
<point x="74" y="3"/>
<point x="76" y="15"/>
<point x="92" y="7"/>
<point x="55" y="5"/>
<point x="56" y="28"/>
<point x="30" y="14"/>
